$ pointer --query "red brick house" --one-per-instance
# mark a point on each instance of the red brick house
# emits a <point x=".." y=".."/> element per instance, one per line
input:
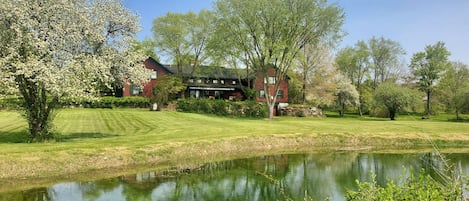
<point x="211" y="82"/>
<point x="158" y="71"/>
<point x="270" y="78"/>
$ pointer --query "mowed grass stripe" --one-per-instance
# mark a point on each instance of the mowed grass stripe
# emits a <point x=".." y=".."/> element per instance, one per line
<point x="95" y="139"/>
<point x="11" y="121"/>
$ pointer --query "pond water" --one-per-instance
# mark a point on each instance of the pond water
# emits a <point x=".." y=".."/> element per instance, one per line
<point x="318" y="176"/>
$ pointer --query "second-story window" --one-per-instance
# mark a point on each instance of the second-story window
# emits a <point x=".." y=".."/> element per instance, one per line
<point x="233" y="82"/>
<point x="215" y="81"/>
<point x="154" y="75"/>
<point x="222" y="81"/>
<point x="270" y="79"/>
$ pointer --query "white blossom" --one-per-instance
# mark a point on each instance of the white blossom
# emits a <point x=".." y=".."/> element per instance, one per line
<point x="69" y="47"/>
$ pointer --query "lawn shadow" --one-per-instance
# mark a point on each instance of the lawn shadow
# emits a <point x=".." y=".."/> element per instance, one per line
<point x="74" y="136"/>
<point x="458" y="120"/>
<point x="14" y="137"/>
<point x="22" y="137"/>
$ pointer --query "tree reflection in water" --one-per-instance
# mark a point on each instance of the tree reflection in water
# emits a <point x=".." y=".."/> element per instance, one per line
<point x="301" y="176"/>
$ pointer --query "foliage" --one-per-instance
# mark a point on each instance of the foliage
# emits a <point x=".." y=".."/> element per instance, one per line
<point x="346" y="94"/>
<point x="369" y="63"/>
<point x="394" y="97"/>
<point x="312" y="62"/>
<point x="118" y="102"/>
<point x="167" y="88"/>
<point x="354" y="63"/>
<point x="249" y="109"/>
<point x="147" y="46"/>
<point x="453" y="88"/>
<point x="385" y="59"/>
<point x="427" y="67"/>
<point x="421" y="187"/>
<point x="270" y="33"/>
<point x="10" y="102"/>
<point x="183" y="37"/>
<point x="57" y="50"/>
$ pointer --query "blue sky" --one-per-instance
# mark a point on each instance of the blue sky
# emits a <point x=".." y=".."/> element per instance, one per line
<point x="412" y="23"/>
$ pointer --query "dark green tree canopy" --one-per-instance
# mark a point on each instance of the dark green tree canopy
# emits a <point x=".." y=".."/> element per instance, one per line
<point x="394" y="97"/>
<point x="428" y="66"/>
<point x="453" y="88"/>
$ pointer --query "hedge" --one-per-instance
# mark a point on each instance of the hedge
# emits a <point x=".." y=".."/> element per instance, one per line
<point x="117" y="102"/>
<point x="250" y="109"/>
<point x="10" y="102"/>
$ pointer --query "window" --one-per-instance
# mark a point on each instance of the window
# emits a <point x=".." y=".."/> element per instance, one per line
<point x="199" y="81"/>
<point x="280" y="94"/>
<point x="215" y="81"/>
<point x="233" y="82"/>
<point x="135" y="90"/>
<point x="261" y="94"/>
<point x="154" y="75"/>
<point x="270" y="79"/>
<point x="191" y="80"/>
<point x="222" y="81"/>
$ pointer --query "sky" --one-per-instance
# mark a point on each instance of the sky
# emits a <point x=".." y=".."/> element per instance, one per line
<point x="414" y="24"/>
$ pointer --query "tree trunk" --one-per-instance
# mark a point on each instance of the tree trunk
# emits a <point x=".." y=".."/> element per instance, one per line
<point x="342" y="110"/>
<point x="304" y="87"/>
<point x="271" y="110"/>
<point x="38" y="106"/>
<point x="392" y="114"/>
<point x="428" y="108"/>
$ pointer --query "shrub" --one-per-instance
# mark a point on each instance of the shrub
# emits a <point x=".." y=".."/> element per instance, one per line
<point x="219" y="107"/>
<point x="119" y="102"/>
<point x="422" y="187"/>
<point x="222" y="107"/>
<point x="10" y="102"/>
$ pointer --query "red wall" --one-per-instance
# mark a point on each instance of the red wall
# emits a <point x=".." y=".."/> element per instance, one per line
<point x="259" y="85"/>
<point x="148" y="87"/>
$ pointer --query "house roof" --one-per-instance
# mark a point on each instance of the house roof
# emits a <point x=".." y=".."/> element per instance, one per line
<point x="208" y="72"/>
<point x="213" y="72"/>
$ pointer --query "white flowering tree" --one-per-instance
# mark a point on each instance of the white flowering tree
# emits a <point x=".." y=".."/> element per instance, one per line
<point x="56" y="50"/>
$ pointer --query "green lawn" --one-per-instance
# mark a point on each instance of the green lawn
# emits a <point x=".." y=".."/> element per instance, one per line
<point x="104" y="139"/>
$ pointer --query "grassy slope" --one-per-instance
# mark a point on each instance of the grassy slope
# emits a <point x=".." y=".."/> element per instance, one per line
<point x="100" y="139"/>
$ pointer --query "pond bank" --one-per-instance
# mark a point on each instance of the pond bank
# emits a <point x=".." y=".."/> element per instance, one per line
<point x="101" y="143"/>
<point x="69" y="164"/>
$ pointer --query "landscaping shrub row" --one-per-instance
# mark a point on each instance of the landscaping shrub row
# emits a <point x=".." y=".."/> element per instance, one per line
<point x="9" y="102"/>
<point x="250" y="109"/>
<point x="118" y="102"/>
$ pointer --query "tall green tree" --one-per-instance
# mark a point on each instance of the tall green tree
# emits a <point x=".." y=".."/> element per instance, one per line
<point x="183" y="36"/>
<point x="271" y="33"/>
<point x="55" y="50"/>
<point x="427" y="67"/>
<point x="354" y="63"/>
<point x="147" y="46"/>
<point x="385" y="59"/>
<point x="453" y="88"/>
<point x="394" y="98"/>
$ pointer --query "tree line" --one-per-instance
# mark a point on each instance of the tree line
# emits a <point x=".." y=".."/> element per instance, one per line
<point x="370" y="77"/>
<point x="56" y="51"/>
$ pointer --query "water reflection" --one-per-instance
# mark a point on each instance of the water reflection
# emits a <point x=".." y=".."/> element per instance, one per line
<point x="298" y="176"/>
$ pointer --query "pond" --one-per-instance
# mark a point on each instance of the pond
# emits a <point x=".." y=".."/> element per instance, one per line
<point x="318" y="176"/>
